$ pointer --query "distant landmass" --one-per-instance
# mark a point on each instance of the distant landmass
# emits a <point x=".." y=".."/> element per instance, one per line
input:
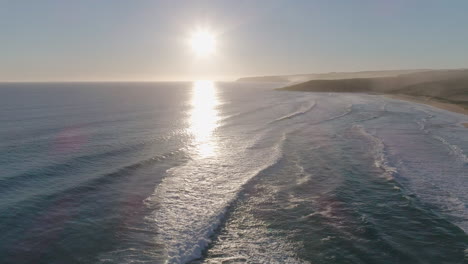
<point x="328" y="76"/>
<point x="448" y="86"/>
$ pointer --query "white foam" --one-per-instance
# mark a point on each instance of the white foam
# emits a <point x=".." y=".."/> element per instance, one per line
<point x="192" y="200"/>
<point x="252" y="242"/>
<point x="303" y="177"/>
<point x="246" y="238"/>
<point x="348" y="110"/>
<point x="380" y="157"/>
<point x="303" y="109"/>
<point x="454" y="149"/>
<point x="384" y="106"/>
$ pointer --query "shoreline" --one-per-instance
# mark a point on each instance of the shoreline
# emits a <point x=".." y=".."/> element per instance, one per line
<point x="431" y="102"/>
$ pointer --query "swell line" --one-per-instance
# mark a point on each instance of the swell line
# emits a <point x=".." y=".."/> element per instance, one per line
<point x="101" y="179"/>
<point x="297" y="113"/>
<point x="454" y="149"/>
<point x="348" y="111"/>
<point x="379" y="153"/>
<point x="57" y="168"/>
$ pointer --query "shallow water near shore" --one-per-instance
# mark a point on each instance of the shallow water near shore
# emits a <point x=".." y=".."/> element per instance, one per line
<point x="227" y="173"/>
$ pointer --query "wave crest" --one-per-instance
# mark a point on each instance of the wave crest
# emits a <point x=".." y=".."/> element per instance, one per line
<point x="379" y="153"/>
<point x="303" y="110"/>
<point x="192" y="201"/>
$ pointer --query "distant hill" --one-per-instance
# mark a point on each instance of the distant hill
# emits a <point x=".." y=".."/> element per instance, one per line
<point x="328" y="76"/>
<point x="444" y="85"/>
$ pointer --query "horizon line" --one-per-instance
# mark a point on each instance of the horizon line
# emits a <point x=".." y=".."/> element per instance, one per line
<point x="233" y="79"/>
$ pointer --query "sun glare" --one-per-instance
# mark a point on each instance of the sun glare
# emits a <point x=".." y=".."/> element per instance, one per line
<point x="203" y="42"/>
<point x="204" y="117"/>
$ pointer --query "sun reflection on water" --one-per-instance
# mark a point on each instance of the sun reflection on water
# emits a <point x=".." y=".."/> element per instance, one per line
<point x="204" y="117"/>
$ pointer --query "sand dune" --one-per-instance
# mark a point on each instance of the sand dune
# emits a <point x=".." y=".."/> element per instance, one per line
<point x="437" y="87"/>
<point x="328" y="76"/>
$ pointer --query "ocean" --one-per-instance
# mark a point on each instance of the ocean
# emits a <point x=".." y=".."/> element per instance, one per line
<point x="210" y="172"/>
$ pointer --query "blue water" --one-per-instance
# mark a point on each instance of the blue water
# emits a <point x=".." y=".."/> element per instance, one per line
<point x="227" y="173"/>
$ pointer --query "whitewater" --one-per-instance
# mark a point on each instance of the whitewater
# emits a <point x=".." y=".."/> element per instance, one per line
<point x="209" y="172"/>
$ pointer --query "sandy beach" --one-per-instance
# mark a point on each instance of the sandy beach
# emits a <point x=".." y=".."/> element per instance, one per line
<point x="432" y="102"/>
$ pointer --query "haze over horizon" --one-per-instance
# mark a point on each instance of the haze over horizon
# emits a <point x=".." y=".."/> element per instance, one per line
<point x="250" y="131"/>
<point x="55" y="40"/>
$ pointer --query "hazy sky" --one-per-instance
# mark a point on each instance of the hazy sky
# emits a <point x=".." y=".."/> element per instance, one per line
<point x="66" y="40"/>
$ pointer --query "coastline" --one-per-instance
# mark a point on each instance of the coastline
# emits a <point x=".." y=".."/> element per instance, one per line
<point x="443" y="89"/>
<point x="432" y="102"/>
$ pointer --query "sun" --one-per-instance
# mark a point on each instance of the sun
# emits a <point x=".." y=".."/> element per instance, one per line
<point x="203" y="42"/>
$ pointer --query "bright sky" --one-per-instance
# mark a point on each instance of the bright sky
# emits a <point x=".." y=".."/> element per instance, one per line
<point x="149" y="40"/>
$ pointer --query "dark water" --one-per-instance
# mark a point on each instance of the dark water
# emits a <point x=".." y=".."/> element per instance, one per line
<point x="227" y="173"/>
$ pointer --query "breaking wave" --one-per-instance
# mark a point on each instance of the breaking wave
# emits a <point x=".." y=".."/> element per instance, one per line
<point x="454" y="149"/>
<point x="303" y="110"/>
<point x="379" y="153"/>
<point x="193" y="199"/>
